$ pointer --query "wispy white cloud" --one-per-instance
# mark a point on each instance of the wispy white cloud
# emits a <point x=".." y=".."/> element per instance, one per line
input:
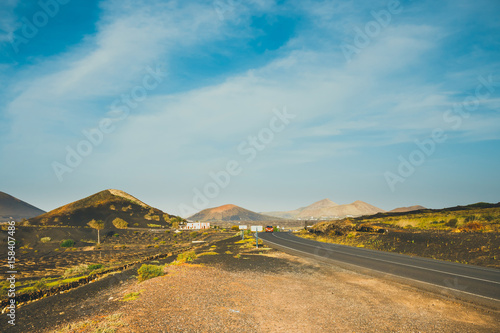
<point x="386" y="95"/>
<point x="8" y="20"/>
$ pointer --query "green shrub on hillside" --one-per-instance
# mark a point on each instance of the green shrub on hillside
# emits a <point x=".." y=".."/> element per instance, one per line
<point x="451" y="223"/>
<point x="45" y="239"/>
<point x="120" y="223"/>
<point x="149" y="271"/>
<point x="67" y="243"/>
<point x="94" y="266"/>
<point x="186" y="256"/>
<point x="40" y="285"/>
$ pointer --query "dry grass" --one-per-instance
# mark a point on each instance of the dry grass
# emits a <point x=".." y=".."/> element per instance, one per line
<point x="131" y="296"/>
<point x="109" y="324"/>
<point x="207" y="254"/>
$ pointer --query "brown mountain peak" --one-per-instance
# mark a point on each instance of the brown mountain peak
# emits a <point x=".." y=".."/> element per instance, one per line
<point x="229" y="213"/>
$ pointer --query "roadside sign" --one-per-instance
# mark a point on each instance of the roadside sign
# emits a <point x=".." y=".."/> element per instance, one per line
<point x="243" y="227"/>
<point x="256" y="228"/>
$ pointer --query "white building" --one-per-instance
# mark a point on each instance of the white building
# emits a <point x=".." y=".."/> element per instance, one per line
<point x="197" y="225"/>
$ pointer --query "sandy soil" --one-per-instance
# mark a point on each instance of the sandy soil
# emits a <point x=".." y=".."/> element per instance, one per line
<point x="305" y="299"/>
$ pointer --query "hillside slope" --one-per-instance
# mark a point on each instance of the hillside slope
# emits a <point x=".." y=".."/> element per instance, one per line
<point x="407" y="209"/>
<point x="329" y="209"/>
<point x="106" y="205"/>
<point x="15" y="208"/>
<point x="229" y="213"/>
<point x="312" y="209"/>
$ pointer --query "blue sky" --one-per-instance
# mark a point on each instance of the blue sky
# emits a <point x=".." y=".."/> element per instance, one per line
<point x="363" y="80"/>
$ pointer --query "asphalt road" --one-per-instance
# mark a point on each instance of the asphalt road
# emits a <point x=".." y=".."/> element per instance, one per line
<point x="467" y="282"/>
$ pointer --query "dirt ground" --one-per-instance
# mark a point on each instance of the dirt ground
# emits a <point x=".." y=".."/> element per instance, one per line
<point x="245" y="290"/>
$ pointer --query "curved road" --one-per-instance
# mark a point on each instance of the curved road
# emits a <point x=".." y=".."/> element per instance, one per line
<point x="471" y="283"/>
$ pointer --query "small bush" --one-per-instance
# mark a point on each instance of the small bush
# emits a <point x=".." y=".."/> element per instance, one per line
<point x="40" y="285"/>
<point x="186" y="256"/>
<point x="155" y="239"/>
<point x="149" y="271"/>
<point x="45" y="239"/>
<point x="488" y="218"/>
<point x="472" y="226"/>
<point x="131" y="296"/>
<point x="235" y="227"/>
<point x="67" y="243"/>
<point x="93" y="267"/>
<point x="120" y="223"/>
<point x="452" y="223"/>
<point x="470" y="218"/>
<point x="77" y="270"/>
<point x="193" y="234"/>
<point x="211" y="253"/>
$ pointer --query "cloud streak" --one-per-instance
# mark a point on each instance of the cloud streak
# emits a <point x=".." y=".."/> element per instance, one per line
<point x="389" y="94"/>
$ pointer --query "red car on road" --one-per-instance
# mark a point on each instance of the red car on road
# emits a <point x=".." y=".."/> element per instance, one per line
<point x="269" y="228"/>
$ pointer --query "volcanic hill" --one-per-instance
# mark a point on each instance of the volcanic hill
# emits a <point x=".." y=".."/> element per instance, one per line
<point x="407" y="209"/>
<point x="329" y="209"/>
<point x="106" y="205"/>
<point x="15" y="208"/>
<point x="229" y="213"/>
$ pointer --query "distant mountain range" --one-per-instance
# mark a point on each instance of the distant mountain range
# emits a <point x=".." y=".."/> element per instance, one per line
<point x="407" y="209"/>
<point x="229" y="213"/>
<point x="106" y="205"/>
<point x="15" y="208"/>
<point x="326" y="208"/>
<point x="110" y="204"/>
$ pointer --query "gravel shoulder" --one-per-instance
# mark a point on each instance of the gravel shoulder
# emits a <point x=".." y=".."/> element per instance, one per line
<point x="246" y="290"/>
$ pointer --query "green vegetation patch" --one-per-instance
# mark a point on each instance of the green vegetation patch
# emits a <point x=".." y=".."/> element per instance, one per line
<point x="147" y="272"/>
<point x="184" y="257"/>
<point x="67" y="243"/>
<point x="207" y="254"/>
<point x="82" y="269"/>
<point x="120" y="223"/>
<point x="131" y="296"/>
